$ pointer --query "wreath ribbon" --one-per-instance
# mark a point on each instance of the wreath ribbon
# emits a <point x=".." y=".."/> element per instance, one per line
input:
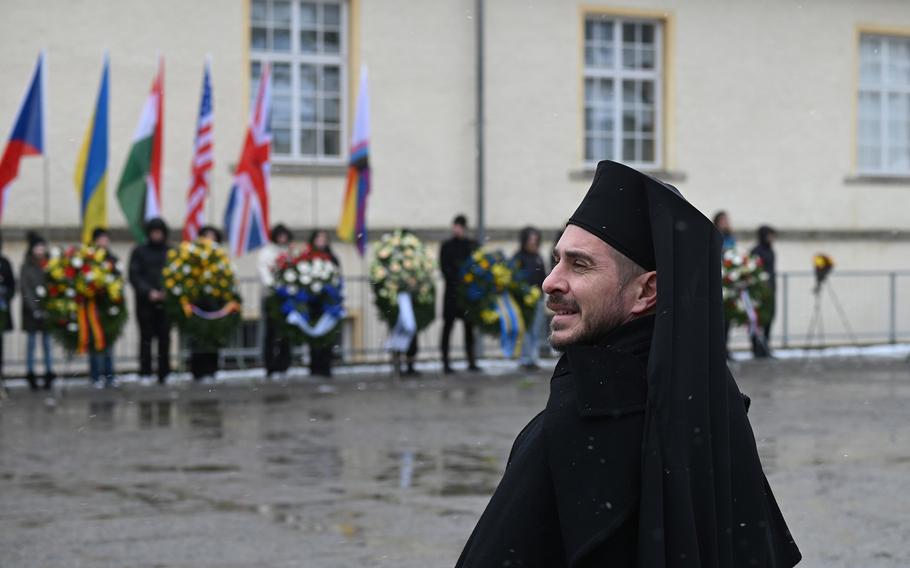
<point x="751" y="312"/>
<point x="90" y="325"/>
<point x="405" y="327"/>
<point x="190" y="310"/>
<point x="511" y="325"/>
<point x="331" y="314"/>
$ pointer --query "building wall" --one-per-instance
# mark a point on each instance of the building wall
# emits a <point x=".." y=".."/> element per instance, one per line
<point x="759" y="114"/>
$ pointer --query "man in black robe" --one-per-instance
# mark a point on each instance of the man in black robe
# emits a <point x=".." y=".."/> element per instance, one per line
<point x="643" y="456"/>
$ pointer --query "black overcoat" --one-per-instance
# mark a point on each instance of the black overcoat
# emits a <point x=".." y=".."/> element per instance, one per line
<point x="570" y="493"/>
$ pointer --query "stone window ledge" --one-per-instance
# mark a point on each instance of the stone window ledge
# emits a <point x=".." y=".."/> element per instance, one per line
<point x="867" y="179"/>
<point x="291" y="169"/>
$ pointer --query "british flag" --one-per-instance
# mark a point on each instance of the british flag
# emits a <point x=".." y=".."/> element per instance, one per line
<point x="202" y="163"/>
<point x="246" y="220"/>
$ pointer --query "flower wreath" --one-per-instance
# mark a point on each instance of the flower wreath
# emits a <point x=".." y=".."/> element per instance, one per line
<point x="307" y="297"/>
<point x="83" y="298"/>
<point x="495" y="300"/>
<point x="201" y="293"/>
<point x="403" y="264"/>
<point x="748" y="299"/>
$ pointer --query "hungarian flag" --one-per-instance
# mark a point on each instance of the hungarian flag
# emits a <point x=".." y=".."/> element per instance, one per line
<point x="139" y="190"/>
<point x="27" y="138"/>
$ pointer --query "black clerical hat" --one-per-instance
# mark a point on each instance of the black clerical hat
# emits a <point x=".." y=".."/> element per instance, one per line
<point x="615" y="210"/>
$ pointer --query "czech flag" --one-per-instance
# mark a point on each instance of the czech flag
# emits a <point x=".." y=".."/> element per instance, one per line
<point x="352" y="226"/>
<point x="27" y="138"/>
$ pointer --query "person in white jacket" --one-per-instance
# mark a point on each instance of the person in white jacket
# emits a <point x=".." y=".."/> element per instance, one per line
<point x="276" y="350"/>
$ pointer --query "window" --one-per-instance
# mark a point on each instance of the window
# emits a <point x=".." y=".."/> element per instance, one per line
<point x="305" y="44"/>
<point x="623" y="90"/>
<point x="884" y="105"/>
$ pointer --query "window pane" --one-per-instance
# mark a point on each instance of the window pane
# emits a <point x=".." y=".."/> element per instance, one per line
<point x="647" y="58"/>
<point x="647" y="33"/>
<point x="281" y="140"/>
<point x="308" y="41"/>
<point x="281" y="40"/>
<point x="260" y="38"/>
<point x="307" y="78"/>
<point x="628" y="33"/>
<point x="308" y="142"/>
<point x="647" y="92"/>
<point x="331" y="111"/>
<point x="628" y="92"/>
<point x="307" y="14"/>
<point x="281" y="76"/>
<point x="259" y="11"/>
<point x="281" y="13"/>
<point x="647" y="121"/>
<point x="331" y="79"/>
<point x="628" y="58"/>
<point x="628" y="149"/>
<point x="308" y="110"/>
<point x="331" y="15"/>
<point x="331" y="42"/>
<point x="647" y="150"/>
<point x="331" y="143"/>
<point x="281" y="110"/>
<point x="629" y="124"/>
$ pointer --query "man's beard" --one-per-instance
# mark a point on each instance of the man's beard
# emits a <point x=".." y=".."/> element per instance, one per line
<point x="593" y="327"/>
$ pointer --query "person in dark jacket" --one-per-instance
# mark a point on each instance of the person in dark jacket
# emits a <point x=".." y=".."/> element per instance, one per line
<point x="7" y="292"/>
<point x="146" y="263"/>
<point x="276" y="348"/>
<point x="643" y="456"/>
<point x="204" y="358"/>
<point x="321" y="357"/>
<point x="761" y="346"/>
<point x="452" y="255"/>
<point x="101" y="364"/>
<point x="34" y="318"/>
<point x="530" y="267"/>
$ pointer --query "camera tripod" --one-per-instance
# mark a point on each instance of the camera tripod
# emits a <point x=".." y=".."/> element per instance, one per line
<point x="816" y="323"/>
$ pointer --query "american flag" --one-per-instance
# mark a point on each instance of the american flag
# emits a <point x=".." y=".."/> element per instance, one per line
<point x="246" y="220"/>
<point x="202" y="163"/>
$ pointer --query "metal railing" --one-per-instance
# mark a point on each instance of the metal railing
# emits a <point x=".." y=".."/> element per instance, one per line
<point x="854" y="307"/>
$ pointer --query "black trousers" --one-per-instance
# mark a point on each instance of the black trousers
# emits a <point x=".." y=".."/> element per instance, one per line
<point x="321" y="361"/>
<point x="448" y="323"/>
<point x="276" y="350"/>
<point x="203" y="364"/>
<point x="154" y="324"/>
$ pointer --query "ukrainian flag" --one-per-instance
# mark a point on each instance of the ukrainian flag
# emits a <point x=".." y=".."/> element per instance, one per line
<point x="91" y="165"/>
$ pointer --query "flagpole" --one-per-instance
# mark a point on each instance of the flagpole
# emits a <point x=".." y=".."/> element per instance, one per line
<point x="46" y="161"/>
<point x="209" y="207"/>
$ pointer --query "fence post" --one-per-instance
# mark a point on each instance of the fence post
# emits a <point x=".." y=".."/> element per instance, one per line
<point x="892" y="323"/>
<point x="786" y="330"/>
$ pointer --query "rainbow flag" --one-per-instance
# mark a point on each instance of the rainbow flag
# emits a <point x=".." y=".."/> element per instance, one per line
<point x="91" y="165"/>
<point x="352" y="226"/>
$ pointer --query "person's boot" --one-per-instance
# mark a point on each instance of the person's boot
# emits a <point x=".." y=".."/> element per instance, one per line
<point x="162" y="379"/>
<point x="49" y="380"/>
<point x="32" y="381"/>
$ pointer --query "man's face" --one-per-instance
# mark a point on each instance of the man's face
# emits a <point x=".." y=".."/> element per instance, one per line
<point x="585" y="290"/>
<point x="458" y="231"/>
<point x="156" y="236"/>
<point x="723" y="224"/>
<point x="103" y="241"/>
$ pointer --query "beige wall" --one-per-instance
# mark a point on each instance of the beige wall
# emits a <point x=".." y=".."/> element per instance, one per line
<point x="760" y="113"/>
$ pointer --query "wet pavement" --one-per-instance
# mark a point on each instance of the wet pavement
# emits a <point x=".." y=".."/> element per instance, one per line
<point x="376" y="473"/>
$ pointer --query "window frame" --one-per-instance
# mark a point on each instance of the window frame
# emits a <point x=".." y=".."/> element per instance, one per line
<point x="618" y="74"/>
<point x="295" y="58"/>
<point x="883" y="89"/>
